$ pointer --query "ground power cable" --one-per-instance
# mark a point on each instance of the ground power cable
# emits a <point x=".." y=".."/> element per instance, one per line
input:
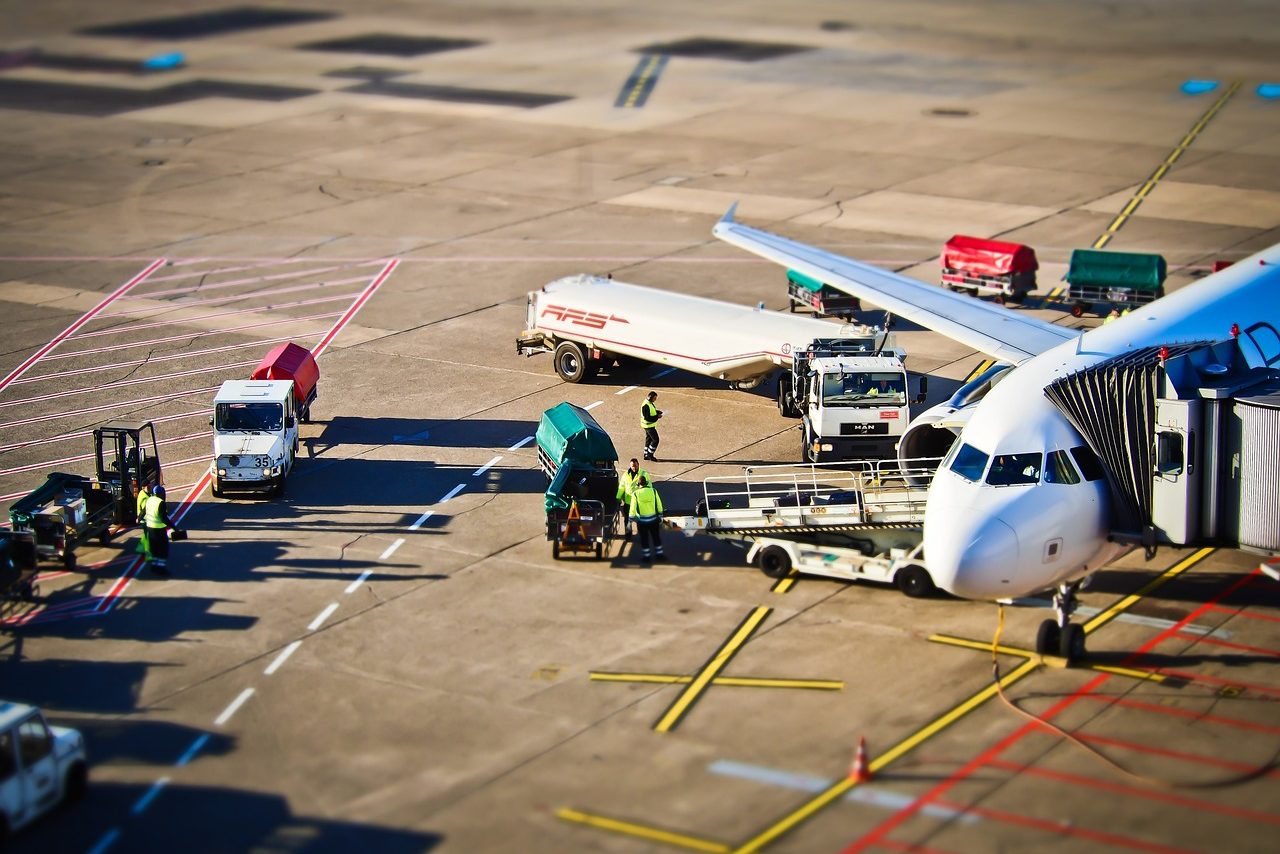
<point x="1145" y="779"/>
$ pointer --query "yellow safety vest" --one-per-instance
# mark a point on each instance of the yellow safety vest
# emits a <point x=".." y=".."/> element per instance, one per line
<point x="645" y="503"/>
<point x="627" y="483"/>
<point x="648" y="415"/>
<point x="154" y="518"/>
<point x="143" y="495"/>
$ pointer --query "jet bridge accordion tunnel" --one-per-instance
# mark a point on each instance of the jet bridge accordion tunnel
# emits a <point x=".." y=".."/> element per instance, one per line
<point x="1189" y="436"/>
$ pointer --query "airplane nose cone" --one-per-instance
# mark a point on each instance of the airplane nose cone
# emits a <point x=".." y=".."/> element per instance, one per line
<point x="973" y="562"/>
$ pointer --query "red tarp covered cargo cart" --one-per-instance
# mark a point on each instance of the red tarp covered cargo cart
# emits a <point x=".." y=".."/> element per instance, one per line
<point x="288" y="361"/>
<point x="983" y="266"/>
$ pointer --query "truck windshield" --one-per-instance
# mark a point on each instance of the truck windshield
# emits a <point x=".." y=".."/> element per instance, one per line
<point x="267" y="417"/>
<point x="863" y="388"/>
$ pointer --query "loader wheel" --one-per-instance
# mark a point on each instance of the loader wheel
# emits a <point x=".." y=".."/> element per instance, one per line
<point x="914" y="581"/>
<point x="555" y="549"/>
<point x="775" y="562"/>
<point x="1077" y="310"/>
<point x="69" y="560"/>
<point x="570" y="363"/>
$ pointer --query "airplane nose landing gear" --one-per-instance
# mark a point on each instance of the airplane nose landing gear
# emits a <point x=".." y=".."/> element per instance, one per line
<point x="1061" y="636"/>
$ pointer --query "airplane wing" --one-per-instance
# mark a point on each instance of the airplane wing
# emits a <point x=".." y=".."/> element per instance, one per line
<point x="1007" y="336"/>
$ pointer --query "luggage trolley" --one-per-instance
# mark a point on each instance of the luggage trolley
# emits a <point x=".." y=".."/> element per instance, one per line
<point x="1113" y="280"/>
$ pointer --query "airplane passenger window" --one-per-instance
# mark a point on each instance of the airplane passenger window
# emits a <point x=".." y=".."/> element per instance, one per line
<point x="1058" y="469"/>
<point x="1015" y="469"/>
<point x="1090" y="465"/>
<point x="969" y="463"/>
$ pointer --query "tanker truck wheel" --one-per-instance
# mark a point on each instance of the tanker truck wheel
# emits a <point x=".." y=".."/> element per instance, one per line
<point x="570" y="362"/>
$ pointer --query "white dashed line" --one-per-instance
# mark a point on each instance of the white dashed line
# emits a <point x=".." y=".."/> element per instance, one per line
<point x="391" y="549"/>
<point x="108" y="839"/>
<point x="452" y="492"/>
<point x="627" y="389"/>
<point x="282" y="657"/>
<point x="518" y="445"/>
<point x="322" y="616"/>
<point x="591" y="406"/>
<point x="145" y="801"/>
<point x="353" y="586"/>
<point x="423" y="518"/>
<point x="484" y="468"/>
<point x="195" y="748"/>
<point x="233" y="708"/>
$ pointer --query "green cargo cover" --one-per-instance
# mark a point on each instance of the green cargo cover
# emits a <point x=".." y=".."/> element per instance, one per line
<point x="1093" y="268"/>
<point x="807" y="282"/>
<point x="572" y="439"/>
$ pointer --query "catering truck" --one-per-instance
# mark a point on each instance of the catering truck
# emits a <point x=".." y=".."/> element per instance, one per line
<point x="846" y="382"/>
<point x="255" y="422"/>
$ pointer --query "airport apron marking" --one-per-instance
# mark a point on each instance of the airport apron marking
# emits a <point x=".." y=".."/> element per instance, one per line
<point x="635" y="92"/>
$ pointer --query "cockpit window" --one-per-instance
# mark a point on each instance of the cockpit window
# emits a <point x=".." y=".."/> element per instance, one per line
<point x="1015" y="469"/>
<point x="1090" y="465"/>
<point x="969" y="463"/>
<point x="1058" y="468"/>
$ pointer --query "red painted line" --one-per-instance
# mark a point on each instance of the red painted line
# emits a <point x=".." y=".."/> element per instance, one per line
<point x="79" y="457"/>
<point x="122" y="404"/>
<point x="1240" y="612"/>
<point x="123" y="383"/>
<point x="1185" y="713"/>
<point x="1198" y="639"/>
<point x="135" y="327"/>
<point x="62" y="437"/>
<point x="1168" y="753"/>
<point x="70" y="330"/>
<point x="162" y="306"/>
<point x="177" y="263"/>
<point x="1199" y="678"/>
<point x="192" y="336"/>
<point x="355" y="307"/>
<point x="189" y="354"/>
<point x="1135" y="791"/>
<point x="886" y="827"/>
<point x="1059" y="829"/>
<point x="914" y="849"/>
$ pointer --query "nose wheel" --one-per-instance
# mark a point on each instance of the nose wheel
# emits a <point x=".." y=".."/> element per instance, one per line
<point x="1061" y="636"/>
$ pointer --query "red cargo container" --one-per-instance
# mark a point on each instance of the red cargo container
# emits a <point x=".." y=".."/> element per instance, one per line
<point x="978" y="265"/>
<point x="290" y="362"/>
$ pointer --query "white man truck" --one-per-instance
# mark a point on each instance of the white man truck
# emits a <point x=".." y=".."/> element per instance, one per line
<point x="255" y="423"/>
<point x="846" y="382"/>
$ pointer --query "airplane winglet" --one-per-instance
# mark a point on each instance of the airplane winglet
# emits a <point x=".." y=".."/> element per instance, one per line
<point x="728" y="215"/>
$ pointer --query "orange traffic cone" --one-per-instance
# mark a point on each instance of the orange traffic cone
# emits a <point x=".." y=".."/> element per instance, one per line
<point x="858" y="772"/>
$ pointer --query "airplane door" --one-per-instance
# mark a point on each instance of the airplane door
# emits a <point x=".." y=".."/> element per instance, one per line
<point x="1176" y="475"/>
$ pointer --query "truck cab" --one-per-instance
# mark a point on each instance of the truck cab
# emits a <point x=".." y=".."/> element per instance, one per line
<point x="41" y="766"/>
<point x="255" y="436"/>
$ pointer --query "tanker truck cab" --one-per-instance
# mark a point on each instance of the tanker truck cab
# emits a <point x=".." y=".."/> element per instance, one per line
<point x="255" y="436"/>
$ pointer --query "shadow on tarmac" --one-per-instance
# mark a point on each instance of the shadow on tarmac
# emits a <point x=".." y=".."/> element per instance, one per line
<point x="205" y="818"/>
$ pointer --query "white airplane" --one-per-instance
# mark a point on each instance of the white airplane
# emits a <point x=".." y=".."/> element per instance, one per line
<point x="1021" y="503"/>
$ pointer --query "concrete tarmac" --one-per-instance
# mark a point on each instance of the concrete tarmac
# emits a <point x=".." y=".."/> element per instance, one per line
<point x="388" y="658"/>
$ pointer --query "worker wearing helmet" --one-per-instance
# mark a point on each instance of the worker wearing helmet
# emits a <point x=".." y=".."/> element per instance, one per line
<point x="627" y="485"/>
<point x="649" y="415"/>
<point x="156" y="525"/>
<point x="646" y="509"/>
<point x="140" y="513"/>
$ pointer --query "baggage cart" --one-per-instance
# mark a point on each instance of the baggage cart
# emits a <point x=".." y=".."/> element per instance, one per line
<point x="63" y="513"/>
<point x="820" y="297"/>
<point x="1101" y="281"/>
<point x="980" y="266"/>
<point x="581" y="502"/>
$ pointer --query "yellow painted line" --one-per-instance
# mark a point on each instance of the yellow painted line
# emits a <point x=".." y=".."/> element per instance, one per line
<point x="982" y="366"/>
<point x="1164" y="167"/>
<point x="837" y="790"/>
<point x="641" y="80"/>
<point x="640" y="831"/>
<point x="1051" y="660"/>
<point x="1129" y="601"/>
<point x="785" y="584"/>
<point x="733" y="681"/>
<point x="713" y="666"/>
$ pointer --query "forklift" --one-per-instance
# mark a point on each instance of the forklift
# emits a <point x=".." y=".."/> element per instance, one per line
<point x="69" y="509"/>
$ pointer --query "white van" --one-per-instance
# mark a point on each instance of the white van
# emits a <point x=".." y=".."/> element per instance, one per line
<point x="255" y="436"/>
<point x="41" y="766"/>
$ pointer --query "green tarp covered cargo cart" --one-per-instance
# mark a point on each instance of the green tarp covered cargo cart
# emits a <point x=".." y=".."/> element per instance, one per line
<point x="578" y="458"/>
<point x="1106" y="280"/>
<point x="822" y="298"/>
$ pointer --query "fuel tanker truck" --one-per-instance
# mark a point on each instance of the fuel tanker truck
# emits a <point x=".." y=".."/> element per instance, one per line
<point x="846" y="382"/>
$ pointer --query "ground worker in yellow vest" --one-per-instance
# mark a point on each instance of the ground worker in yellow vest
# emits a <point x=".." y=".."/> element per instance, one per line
<point x="156" y="525"/>
<point x="646" y="509"/>
<point x="140" y="511"/>
<point x="627" y="484"/>
<point x="649" y="415"/>
<point x="1113" y="316"/>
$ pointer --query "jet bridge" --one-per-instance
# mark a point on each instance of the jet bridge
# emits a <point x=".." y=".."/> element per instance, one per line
<point x="1189" y="435"/>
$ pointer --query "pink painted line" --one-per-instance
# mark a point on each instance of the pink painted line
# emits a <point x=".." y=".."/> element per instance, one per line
<point x="216" y="271"/>
<point x="151" y="360"/>
<point x="159" y="398"/>
<point x="189" y="320"/>
<point x="192" y="336"/>
<point x="173" y="440"/>
<point x="79" y="434"/>
<point x="356" y="306"/>
<point x="164" y="306"/>
<point x="70" y="330"/>
<point x="123" y="383"/>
